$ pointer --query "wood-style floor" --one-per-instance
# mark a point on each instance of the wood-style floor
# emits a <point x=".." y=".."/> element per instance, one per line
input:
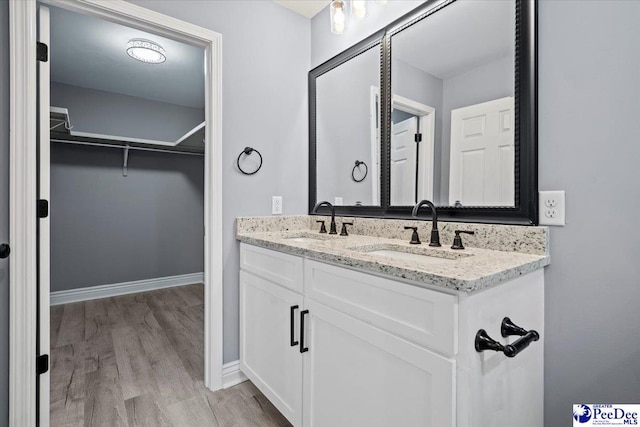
<point x="137" y="360"/>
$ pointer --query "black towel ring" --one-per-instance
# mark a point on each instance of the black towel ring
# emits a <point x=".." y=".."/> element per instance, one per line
<point x="353" y="171"/>
<point x="247" y="151"/>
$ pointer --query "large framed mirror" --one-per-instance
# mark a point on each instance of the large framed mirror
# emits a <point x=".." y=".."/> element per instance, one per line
<point x="454" y="122"/>
<point x="344" y="132"/>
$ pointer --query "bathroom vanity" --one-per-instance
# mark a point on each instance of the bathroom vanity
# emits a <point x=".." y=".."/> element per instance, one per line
<point x="346" y="331"/>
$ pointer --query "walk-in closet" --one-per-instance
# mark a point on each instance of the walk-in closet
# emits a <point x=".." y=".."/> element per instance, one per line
<point x="126" y="222"/>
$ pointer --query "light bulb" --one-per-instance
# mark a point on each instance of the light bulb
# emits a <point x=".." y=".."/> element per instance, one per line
<point x="338" y="16"/>
<point x="338" y="21"/>
<point x="359" y="8"/>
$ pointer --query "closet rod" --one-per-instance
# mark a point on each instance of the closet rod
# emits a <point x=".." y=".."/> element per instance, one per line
<point x="123" y="147"/>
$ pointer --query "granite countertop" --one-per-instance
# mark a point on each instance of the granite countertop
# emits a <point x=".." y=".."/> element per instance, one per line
<point x="468" y="270"/>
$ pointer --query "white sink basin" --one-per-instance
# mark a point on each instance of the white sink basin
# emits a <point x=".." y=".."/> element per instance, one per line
<point x="423" y="259"/>
<point x="419" y="254"/>
<point x="304" y="239"/>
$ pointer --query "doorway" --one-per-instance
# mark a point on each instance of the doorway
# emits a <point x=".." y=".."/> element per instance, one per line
<point x="24" y="307"/>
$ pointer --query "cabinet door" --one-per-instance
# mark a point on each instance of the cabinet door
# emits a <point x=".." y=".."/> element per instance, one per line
<point x="267" y="357"/>
<point x="357" y="375"/>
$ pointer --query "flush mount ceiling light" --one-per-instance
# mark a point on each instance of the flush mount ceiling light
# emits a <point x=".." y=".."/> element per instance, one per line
<point x="146" y="51"/>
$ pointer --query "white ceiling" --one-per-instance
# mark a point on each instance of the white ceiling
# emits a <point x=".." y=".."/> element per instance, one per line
<point x="91" y="52"/>
<point x="462" y="36"/>
<point x="307" y="8"/>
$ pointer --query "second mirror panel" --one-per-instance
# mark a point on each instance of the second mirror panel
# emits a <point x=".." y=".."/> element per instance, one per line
<point x="452" y="130"/>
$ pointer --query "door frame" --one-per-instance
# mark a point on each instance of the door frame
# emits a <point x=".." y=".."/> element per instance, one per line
<point x="426" y="124"/>
<point x="23" y="178"/>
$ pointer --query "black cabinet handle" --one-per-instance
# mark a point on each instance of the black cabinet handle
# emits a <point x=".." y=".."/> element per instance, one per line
<point x="292" y="323"/>
<point x="5" y="250"/>
<point x="303" y="349"/>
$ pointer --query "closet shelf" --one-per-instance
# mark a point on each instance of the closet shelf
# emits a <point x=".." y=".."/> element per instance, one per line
<point x="62" y="131"/>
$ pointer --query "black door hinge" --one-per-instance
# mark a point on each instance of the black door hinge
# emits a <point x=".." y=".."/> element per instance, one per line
<point x="418" y="137"/>
<point x="42" y="52"/>
<point x="42" y="364"/>
<point x="43" y="208"/>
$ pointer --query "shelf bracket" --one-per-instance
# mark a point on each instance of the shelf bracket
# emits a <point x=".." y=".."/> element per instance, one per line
<point x="125" y="163"/>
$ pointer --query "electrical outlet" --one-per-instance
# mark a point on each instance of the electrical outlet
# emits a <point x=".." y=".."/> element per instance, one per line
<point x="551" y="206"/>
<point x="276" y="205"/>
<point x="338" y="201"/>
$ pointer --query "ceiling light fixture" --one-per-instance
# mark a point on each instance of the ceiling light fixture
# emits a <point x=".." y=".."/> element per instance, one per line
<point x="146" y="51"/>
<point x="338" y="13"/>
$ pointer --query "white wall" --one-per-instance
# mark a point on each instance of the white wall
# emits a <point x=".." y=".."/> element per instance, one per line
<point x="265" y="61"/>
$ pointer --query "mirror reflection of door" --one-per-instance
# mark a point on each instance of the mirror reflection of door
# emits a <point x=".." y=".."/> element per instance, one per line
<point x="461" y="62"/>
<point x="412" y="151"/>
<point x="482" y="154"/>
<point x="404" y="161"/>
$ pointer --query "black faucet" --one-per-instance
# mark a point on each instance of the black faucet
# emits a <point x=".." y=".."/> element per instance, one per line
<point x="435" y="236"/>
<point x="332" y="227"/>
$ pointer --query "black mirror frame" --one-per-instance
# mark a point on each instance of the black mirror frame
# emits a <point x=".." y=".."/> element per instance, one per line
<point x="525" y="211"/>
<point x="365" y="45"/>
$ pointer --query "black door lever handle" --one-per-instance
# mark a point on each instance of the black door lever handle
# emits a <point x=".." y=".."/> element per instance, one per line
<point x="5" y="250"/>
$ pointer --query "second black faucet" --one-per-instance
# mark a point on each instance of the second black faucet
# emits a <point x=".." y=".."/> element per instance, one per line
<point x="435" y="236"/>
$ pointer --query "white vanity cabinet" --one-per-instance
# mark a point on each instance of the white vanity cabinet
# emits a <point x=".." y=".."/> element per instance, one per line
<point x="268" y="309"/>
<point x="382" y="352"/>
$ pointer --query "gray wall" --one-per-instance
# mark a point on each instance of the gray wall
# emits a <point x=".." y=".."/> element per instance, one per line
<point x="106" y="228"/>
<point x="266" y="51"/>
<point x="588" y="133"/>
<point x="107" y="113"/>
<point x="343" y="128"/>
<point x="4" y="211"/>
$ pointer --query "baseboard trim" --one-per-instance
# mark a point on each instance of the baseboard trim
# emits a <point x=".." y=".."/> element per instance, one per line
<point x="115" y="289"/>
<point x="232" y="375"/>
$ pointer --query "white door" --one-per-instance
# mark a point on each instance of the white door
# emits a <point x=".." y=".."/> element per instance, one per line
<point x="482" y="154"/>
<point x="269" y="324"/>
<point x="43" y="223"/>
<point x="357" y="375"/>
<point x="403" y="162"/>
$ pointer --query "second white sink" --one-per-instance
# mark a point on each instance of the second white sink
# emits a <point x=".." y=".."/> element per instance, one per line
<point x="419" y="254"/>
<point x="423" y="259"/>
